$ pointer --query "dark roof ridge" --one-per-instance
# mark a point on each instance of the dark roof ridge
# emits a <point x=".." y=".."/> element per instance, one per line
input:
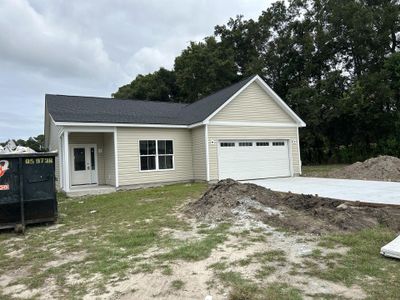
<point x="119" y="99"/>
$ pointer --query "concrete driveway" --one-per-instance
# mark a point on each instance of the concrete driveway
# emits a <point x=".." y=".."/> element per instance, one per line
<point x="345" y="189"/>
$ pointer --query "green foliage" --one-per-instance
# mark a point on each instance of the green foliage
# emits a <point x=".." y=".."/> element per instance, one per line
<point x="335" y="62"/>
<point x="157" y="86"/>
<point x="203" y="68"/>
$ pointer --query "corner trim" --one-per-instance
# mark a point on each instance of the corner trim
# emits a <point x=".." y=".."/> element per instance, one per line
<point x="116" y="157"/>
<point x="298" y="150"/>
<point x="207" y="153"/>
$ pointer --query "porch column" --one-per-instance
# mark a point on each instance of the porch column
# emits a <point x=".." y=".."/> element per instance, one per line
<point x="66" y="161"/>
<point x="116" y="158"/>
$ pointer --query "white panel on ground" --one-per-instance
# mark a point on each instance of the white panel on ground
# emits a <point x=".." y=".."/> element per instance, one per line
<point x="392" y="249"/>
<point x="253" y="159"/>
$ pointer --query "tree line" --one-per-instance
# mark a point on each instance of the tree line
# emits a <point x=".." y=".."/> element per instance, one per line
<point x="335" y="62"/>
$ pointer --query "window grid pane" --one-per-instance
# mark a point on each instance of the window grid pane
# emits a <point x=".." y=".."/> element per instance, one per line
<point x="79" y="159"/>
<point x="245" y="144"/>
<point x="161" y="147"/>
<point x="225" y="144"/>
<point x="262" y="144"/>
<point x="149" y="154"/>
<point x="92" y="159"/>
<point x="147" y="163"/>
<point x="165" y="162"/>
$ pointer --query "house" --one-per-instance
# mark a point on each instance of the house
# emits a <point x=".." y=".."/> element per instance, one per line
<point x="244" y="131"/>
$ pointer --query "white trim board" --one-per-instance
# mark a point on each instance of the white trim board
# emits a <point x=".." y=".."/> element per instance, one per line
<point x="89" y="124"/>
<point x="253" y="124"/>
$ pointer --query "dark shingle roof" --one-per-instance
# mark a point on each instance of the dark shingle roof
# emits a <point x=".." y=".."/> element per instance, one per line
<point x="64" y="108"/>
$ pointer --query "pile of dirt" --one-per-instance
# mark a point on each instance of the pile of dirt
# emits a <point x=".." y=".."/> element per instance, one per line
<point x="381" y="168"/>
<point x="229" y="199"/>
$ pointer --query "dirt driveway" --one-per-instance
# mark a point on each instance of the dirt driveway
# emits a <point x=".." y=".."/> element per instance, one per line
<point x="345" y="189"/>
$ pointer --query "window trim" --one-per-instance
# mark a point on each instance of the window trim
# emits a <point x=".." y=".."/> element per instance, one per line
<point x="157" y="169"/>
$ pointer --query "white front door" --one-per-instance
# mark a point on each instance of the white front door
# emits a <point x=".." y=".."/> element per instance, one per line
<point x="253" y="159"/>
<point x="83" y="164"/>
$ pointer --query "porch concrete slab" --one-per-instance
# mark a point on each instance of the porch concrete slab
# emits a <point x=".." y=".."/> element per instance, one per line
<point x="79" y="191"/>
<point x="345" y="189"/>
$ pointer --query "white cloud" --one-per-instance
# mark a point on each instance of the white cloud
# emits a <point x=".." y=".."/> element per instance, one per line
<point x="91" y="47"/>
<point x="30" y="40"/>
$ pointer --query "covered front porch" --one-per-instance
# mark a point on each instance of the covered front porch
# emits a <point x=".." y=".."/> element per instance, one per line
<point x="88" y="161"/>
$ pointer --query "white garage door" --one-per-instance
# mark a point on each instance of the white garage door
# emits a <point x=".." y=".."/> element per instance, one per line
<point x="253" y="159"/>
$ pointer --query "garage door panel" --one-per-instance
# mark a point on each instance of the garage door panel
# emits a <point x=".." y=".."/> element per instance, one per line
<point x="248" y="162"/>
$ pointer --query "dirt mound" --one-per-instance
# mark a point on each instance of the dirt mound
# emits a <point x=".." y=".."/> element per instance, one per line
<point x="229" y="199"/>
<point x="382" y="168"/>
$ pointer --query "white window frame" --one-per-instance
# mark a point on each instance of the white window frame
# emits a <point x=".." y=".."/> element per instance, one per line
<point x="157" y="169"/>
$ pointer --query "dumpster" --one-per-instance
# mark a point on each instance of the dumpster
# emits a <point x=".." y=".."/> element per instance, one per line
<point x="27" y="189"/>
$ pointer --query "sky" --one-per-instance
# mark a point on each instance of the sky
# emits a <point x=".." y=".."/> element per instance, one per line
<point x="92" y="47"/>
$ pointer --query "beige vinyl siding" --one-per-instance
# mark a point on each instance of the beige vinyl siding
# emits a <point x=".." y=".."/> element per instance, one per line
<point x="253" y="105"/>
<point x="129" y="158"/>
<point x="54" y="146"/>
<point x="216" y="133"/>
<point x="109" y="159"/>
<point x="199" y="153"/>
<point x="91" y="138"/>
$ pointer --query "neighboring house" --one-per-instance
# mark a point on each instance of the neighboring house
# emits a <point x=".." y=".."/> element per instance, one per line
<point x="244" y="131"/>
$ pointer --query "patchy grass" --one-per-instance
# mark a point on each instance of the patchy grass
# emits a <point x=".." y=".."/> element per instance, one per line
<point x="270" y="256"/>
<point x="177" y="284"/>
<point x="102" y="235"/>
<point x="320" y="170"/>
<point x="242" y="288"/>
<point x="199" y="250"/>
<point x="105" y="239"/>
<point x="362" y="264"/>
<point x="219" y="266"/>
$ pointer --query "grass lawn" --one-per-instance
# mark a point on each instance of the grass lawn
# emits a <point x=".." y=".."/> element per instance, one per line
<point x="138" y="243"/>
<point x="320" y="170"/>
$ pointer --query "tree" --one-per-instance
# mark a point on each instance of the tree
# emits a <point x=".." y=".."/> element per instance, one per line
<point x="335" y="62"/>
<point x="157" y="86"/>
<point x="203" y="68"/>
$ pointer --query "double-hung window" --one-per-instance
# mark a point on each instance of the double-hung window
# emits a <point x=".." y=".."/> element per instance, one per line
<point x="156" y="155"/>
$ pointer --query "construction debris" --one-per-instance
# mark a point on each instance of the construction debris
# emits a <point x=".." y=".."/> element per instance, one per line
<point x="11" y="147"/>
<point x="392" y="249"/>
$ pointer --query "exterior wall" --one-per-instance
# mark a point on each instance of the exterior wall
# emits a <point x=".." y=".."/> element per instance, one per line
<point x="109" y="159"/>
<point x="199" y="153"/>
<point x="54" y="146"/>
<point x="92" y="138"/>
<point x="129" y="158"/>
<point x="253" y="105"/>
<point x="216" y="133"/>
